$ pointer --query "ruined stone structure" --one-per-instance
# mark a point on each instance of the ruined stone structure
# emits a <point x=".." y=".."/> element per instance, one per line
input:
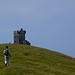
<point x="19" y="37"/>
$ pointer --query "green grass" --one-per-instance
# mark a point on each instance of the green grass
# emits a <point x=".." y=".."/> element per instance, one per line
<point x="30" y="60"/>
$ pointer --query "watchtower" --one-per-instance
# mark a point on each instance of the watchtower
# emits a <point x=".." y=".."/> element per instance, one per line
<point x="19" y="36"/>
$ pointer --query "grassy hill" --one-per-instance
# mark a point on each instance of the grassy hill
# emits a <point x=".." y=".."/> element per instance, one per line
<point x="30" y="60"/>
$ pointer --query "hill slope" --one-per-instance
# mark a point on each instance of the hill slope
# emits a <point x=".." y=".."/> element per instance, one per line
<point x="30" y="60"/>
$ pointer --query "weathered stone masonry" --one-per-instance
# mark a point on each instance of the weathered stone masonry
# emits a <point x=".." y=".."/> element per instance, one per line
<point x="19" y="37"/>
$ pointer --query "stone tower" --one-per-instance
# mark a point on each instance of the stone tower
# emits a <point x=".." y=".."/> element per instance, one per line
<point x="19" y="36"/>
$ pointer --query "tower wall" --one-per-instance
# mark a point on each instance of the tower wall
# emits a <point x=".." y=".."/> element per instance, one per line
<point x="16" y="37"/>
<point x="19" y="36"/>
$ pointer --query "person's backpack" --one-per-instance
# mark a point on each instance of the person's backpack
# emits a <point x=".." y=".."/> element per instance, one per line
<point x="6" y="52"/>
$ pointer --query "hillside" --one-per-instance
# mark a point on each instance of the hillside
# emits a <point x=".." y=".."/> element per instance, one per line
<point x="30" y="60"/>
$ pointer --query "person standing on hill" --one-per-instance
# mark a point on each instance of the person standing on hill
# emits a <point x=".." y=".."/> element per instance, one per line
<point x="7" y="54"/>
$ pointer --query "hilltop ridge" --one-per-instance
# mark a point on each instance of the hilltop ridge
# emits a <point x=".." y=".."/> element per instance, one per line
<point x="30" y="60"/>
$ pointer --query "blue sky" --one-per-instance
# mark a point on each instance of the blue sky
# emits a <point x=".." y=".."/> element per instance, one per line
<point x="49" y="24"/>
